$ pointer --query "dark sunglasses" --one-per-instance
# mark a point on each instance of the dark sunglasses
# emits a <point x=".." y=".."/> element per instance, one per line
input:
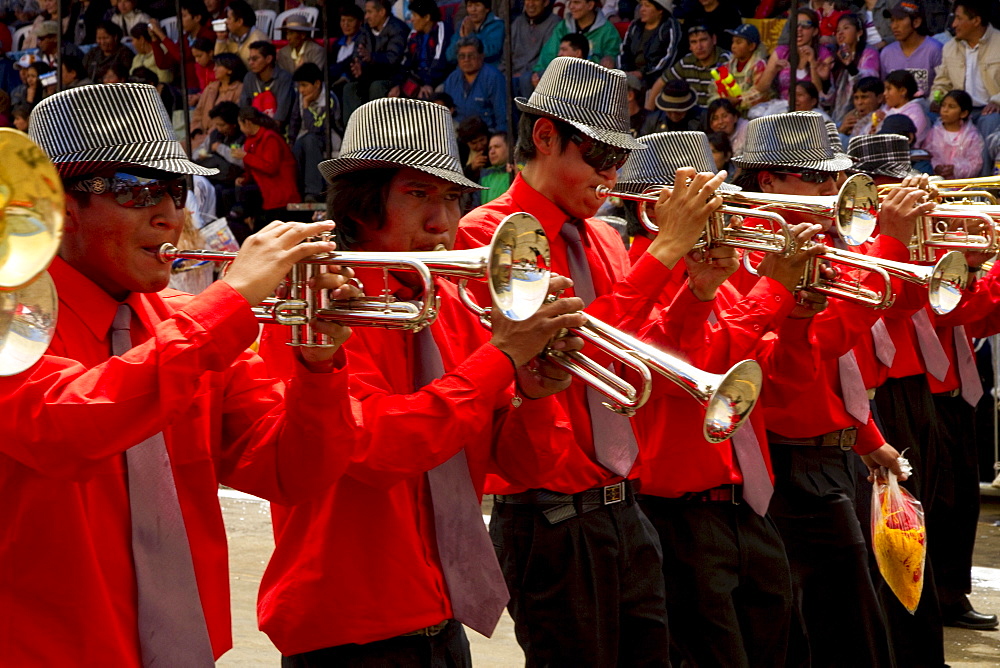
<point x="809" y="176"/>
<point x="806" y="24"/>
<point x="135" y="192"/>
<point x="599" y="155"/>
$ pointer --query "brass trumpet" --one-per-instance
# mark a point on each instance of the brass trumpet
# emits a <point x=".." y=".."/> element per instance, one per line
<point x="934" y="232"/>
<point x="950" y="188"/>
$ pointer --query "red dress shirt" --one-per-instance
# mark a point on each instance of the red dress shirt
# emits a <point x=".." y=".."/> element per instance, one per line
<point x="360" y="563"/>
<point x="625" y="300"/>
<point x="67" y="584"/>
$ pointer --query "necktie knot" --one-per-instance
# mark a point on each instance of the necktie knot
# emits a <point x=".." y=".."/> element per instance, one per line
<point x="123" y="318"/>
<point x="121" y="336"/>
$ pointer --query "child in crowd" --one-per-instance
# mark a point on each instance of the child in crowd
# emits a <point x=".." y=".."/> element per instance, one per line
<point x="723" y="117"/>
<point x="955" y="145"/>
<point x="868" y="97"/>
<point x="900" y="124"/>
<point x="574" y="45"/>
<point x="807" y="99"/>
<point x="746" y="65"/>
<point x="900" y="89"/>
<point x="722" y="153"/>
<point x="21" y="113"/>
<point x="496" y="177"/>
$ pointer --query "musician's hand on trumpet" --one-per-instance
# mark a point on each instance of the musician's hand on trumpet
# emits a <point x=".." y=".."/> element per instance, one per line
<point x="540" y="377"/>
<point x="900" y="210"/>
<point x="336" y="281"/>
<point x="709" y="269"/>
<point x="681" y="213"/>
<point x="788" y="270"/>
<point x="525" y="339"/>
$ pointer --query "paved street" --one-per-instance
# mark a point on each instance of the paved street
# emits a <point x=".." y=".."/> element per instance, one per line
<point x="248" y="523"/>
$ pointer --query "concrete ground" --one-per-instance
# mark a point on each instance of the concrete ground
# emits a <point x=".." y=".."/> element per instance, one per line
<point x="248" y="523"/>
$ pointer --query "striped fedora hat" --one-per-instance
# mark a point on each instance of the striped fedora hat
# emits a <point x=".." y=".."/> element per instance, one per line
<point x="398" y="132"/>
<point x="796" y="139"/>
<point x="591" y="98"/>
<point x="665" y="153"/>
<point x="835" y="143"/>
<point x="109" y="126"/>
<point x="881" y="155"/>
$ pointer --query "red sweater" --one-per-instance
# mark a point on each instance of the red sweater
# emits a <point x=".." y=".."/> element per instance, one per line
<point x="271" y="165"/>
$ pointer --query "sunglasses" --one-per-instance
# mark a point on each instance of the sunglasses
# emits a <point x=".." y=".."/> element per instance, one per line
<point x="599" y="155"/>
<point x="809" y="176"/>
<point x="806" y="24"/>
<point x="135" y="192"/>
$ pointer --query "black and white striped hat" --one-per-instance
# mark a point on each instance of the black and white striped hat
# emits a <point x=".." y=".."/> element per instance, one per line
<point x="796" y="139"/>
<point x="835" y="143"/>
<point x="665" y="153"/>
<point x="397" y="132"/>
<point x="881" y="155"/>
<point x="591" y="98"/>
<point x="102" y="126"/>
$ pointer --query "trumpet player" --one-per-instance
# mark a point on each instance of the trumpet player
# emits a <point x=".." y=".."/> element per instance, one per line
<point x="581" y="560"/>
<point x="388" y="564"/>
<point x="113" y="550"/>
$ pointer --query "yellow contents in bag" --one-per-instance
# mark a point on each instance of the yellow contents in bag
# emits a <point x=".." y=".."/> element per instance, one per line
<point x="899" y="538"/>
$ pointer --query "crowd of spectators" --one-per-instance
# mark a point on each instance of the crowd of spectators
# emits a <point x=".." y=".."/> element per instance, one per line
<point x="260" y="110"/>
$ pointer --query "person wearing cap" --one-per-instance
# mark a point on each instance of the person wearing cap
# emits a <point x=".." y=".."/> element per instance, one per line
<point x="815" y="423"/>
<point x="651" y="41"/>
<point x="47" y="33"/>
<point x="718" y="16"/>
<point x="477" y="87"/>
<point x="432" y="404"/>
<point x="529" y="32"/>
<point x="425" y="64"/>
<point x="241" y="31"/>
<point x="301" y="49"/>
<point x="581" y="560"/>
<point x="912" y="49"/>
<point x="145" y="402"/>
<point x="586" y="18"/>
<point x="696" y="67"/>
<point x="746" y="65"/>
<point x="677" y="110"/>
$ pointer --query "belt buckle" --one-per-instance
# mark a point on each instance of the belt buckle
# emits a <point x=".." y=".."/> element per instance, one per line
<point x="842" y="440"/>
<point x="614" y="494"/>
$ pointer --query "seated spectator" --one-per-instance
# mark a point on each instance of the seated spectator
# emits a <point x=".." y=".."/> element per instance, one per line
<point x="723" y="117"/>
<point x="118" y="73"/>
<point x="379" y="53"/>
<point x="268" y="184"/>
<point x="308" y="130"/>
<point x="854" y="60"/>
<point x="584" y="17"/>
<point x="529" y="32"/>
<point x="31" y="92"/>
<point x="425" y="64"/>
<point x="216" y="9"/>
<point x="477" y="88"/>
<point x="878" y="30"/>
<point x="496" y="177"/>
<point x="144" y="57"/>
<point x="900" y="124"/>
<point x="696" y="67"/>
<point x="814" y="61"/>
<point x="266" y="87"/>
<point x="722" y="154"/>
<point x="637" y="112"/>
<point x="677" y="109"/>
<point x="955" y="145"/>
<point x="746" y="65"/>
<point x="109" y="51"/>
<point x="194" y="26"/>
<point x="442" y="98"/>
<point x="912" y="49"/>
<point x="651" y="41"/>
<point x="74" y="73"/>
<point x="483" y="24"/>
<point x="21" y="114"/>
<point x="203" y="53"/>
<point x="719" y="16"/>
<point x="126" y="16"/>
<point x="976" y="46"/>
<point x="807" y="99"/>
<point x="900" y="89"/>
<point x="241" y="31"/>
<point x="47" y="33"/>
<point x="351" y="18"/>
<point x="473" y="147"/>
<point x="216" y="152"/>
<point x="301" y="49"/>
<point x="574" y="45"/>
<point x="227" y="87"/>
<point x="868" y="97"/>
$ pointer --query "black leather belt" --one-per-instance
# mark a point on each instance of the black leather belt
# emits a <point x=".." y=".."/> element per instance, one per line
<point x="559" y="507"/>
<point x="430" y="631"/>
<point x="845" y="439"/>
<point x="952" y="394"/>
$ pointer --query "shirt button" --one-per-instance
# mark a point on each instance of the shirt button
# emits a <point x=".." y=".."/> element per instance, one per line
<point x="777" y="298"/>
<point x="756" y="328"/>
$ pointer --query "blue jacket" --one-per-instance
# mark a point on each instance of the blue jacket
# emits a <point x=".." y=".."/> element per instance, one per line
<point x="426" y="58"/>
<point x="490" y="33"/>
<point x="486" y="97"/>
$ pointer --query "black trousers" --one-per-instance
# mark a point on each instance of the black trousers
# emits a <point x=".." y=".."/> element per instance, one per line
<point x="836" y="619"/>
<point x="586" y="591"/>
<point x="727" y="581"/>
<point x="448" y="649"/>
<point x="908" y="419"/>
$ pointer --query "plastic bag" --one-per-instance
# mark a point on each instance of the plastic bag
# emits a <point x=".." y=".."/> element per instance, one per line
<point x="899" y="538"/>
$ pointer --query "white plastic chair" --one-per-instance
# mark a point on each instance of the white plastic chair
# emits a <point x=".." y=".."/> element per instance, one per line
<point x="265" y="20"/>
<point x="311" y="14"/>
<point x="21" y="34"/>
<point x="169" y="26"/>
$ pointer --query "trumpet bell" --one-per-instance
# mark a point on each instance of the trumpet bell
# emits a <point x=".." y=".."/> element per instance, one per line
<point x="27" y="324"/>
<point x="518" y="266"/>
<point x="856" y="212"/>
<point x="31" y="210"/>
<point x="947" y="280"/>
<point x="730" y="403"/>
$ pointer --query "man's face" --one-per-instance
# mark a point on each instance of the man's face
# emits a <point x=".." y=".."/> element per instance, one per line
<point x="578" y="195"/>
<point x="115" y="247"/>
<point x="702" y="45"/>
<point x="470" y="60"/>
<point x="104" y="41"/>
<point x="567" y="49"/>
<point x="421" y="23"/>
<point x="580" y="8"/>
<point x="125" y="6"/>
<point x="295" y="38"/>
<point x="309" y="90"/>
<point x="498" y="151"/>
<point x="865" y="102"/>
<point x="257" y="62"/>
<point x="676" y="116"/>
<point x="189" y="23"/>
<point x="349" y="25"/>
<point x="965" y="26"/>
<point x="48" y="44"/>
<point x="212" y="6"/>
<point x="233" y="24"/>
<point x="421" y="212"/>
<point x="142" y="46"/>
<point x="477" y="11"/>
<point x="902" y="28"/>
<point x="374" y="14"/>
<point x="533" y="8"/>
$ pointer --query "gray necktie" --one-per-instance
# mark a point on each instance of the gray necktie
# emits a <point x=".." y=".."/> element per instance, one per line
<point x="935" y="358"/>
<point x="614" y="443"/>
<point x="968" y="374"/>
<point x="852" y="387"/>
<point x="475" y="582"/>
<point x="172" y="627"/>
<point x="757" y="487"/>
<point x="885" y="349"/>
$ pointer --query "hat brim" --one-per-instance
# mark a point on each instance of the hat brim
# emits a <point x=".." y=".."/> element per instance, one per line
<point x="384" y="158"/>
<point x="612" y="137"/>
<point x="893" y="169"/>
<point x="297" y="28"/>
<point x="79" y="164"/>
<point x="838" y="163"/>
<point x="663" y="107"/>
<point x="639" y="187"/>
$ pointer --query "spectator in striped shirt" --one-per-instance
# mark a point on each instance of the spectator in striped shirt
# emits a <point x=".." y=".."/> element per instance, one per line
<point x="695" y="68"/>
